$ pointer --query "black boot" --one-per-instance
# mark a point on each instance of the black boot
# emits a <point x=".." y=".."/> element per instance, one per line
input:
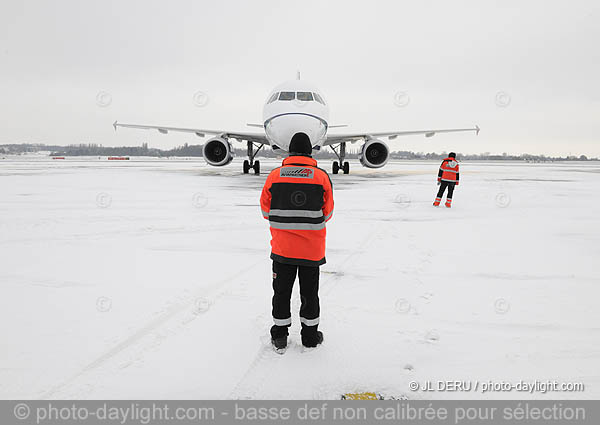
<point x="279" y="336"/>
<point x="312" y="339"/>
<point x="279" y="344"/>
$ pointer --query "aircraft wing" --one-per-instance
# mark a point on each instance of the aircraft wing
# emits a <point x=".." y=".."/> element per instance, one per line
<point x="353" y="137"/>
<point x="252" y="137"/>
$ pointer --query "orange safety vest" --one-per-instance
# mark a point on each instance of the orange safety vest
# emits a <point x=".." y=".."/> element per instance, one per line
<point x="297" y="199"/>
<point x="449" y="170"/>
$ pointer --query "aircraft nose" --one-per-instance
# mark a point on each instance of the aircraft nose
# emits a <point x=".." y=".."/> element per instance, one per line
<point x="280" y="130"/>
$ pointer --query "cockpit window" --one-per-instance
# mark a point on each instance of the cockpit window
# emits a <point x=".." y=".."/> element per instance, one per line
<point x="304" y="96"/>
<point x="319" y="99"/>
<point x="287" y="95"/>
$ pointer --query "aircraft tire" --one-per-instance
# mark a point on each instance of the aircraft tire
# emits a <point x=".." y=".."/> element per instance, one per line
<point x="336" y="167"/>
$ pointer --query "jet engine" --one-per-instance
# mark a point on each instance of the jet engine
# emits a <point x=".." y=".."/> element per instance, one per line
<point x="374" y="154"/>
<point x="217" y="151"/>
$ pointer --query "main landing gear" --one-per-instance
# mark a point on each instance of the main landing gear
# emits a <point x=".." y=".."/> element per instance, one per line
<point x="250" y="163"/>
<point x="341" y="154"/>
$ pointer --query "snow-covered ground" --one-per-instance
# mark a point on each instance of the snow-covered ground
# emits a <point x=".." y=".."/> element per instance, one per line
<point x="152" y="279"/>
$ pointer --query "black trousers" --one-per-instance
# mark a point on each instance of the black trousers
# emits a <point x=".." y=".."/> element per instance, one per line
<point x="284" y="276"/>
<point x="443" y="186"/>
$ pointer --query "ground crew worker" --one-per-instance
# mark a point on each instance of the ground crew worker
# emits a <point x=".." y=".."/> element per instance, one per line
<point x="447" y="178"/>
<point x="297" y="199"/>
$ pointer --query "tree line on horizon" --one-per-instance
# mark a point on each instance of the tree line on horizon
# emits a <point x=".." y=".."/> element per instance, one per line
<point x="93" y="149"/>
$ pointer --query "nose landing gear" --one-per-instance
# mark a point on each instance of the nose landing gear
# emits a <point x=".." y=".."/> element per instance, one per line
<point x="250" y="163"/>
<point x="341" y="165"/>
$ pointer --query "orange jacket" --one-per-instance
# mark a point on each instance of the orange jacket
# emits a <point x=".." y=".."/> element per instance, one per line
<point x="449" y="170"/>
<point x="297" y="199"/>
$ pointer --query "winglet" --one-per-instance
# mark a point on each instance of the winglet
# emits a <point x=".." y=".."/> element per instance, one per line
<point x="297" y="75"/>
<point x="477" y="130"/>
<point x="115" y="125"/>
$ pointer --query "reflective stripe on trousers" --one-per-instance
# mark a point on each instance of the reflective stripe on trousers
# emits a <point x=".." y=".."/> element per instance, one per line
<point x="303" y="320"/>
<point x="309" y="322"/>
<point x="282" y="322"/>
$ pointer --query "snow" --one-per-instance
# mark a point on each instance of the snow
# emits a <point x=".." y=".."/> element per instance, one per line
<point x="150" y="279"/>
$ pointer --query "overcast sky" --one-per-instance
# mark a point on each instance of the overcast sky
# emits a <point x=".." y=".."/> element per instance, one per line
<point x="526" y="72"/>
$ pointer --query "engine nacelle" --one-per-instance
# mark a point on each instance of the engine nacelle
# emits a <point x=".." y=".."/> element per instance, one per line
<point x="217" y="152"/>
<point x="374" y="154"/>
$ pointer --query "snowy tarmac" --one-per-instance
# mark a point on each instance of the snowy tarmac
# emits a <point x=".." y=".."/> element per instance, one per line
<point x="151" y="279"/>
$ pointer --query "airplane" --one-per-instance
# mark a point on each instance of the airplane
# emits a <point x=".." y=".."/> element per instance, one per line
<point x="292" y="107"/>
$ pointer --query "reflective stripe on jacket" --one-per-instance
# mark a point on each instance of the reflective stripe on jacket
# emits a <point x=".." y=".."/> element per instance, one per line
<point x="449" y="170"/>
<point x="297" y="199"/>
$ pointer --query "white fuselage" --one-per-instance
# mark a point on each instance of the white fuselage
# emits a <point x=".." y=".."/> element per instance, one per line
<point x="292" y="107"/>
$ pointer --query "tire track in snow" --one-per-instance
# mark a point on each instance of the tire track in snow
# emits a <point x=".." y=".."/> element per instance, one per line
<point x="264" y="352"/>
<point x="147" y="329"/>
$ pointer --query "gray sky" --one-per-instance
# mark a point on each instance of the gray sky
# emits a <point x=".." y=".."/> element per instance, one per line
<point x="452" y="59"/>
